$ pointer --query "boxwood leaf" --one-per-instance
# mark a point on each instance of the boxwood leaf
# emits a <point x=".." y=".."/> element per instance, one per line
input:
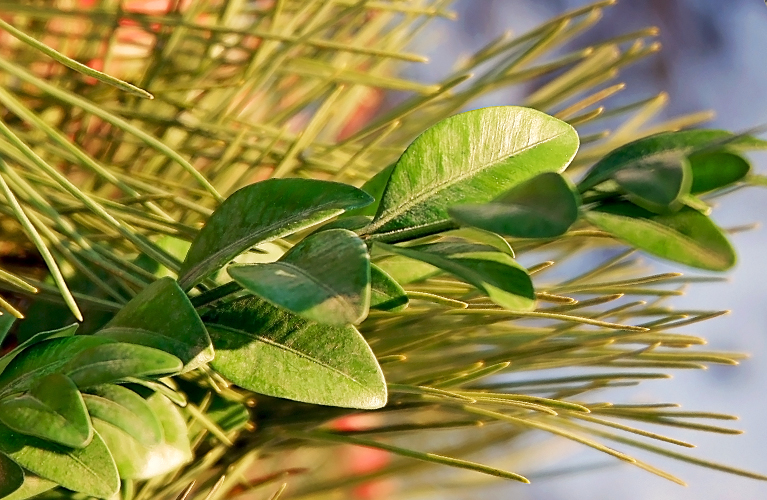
<point x="375" y="187"/>
<point x="324" y="278"/>
<point x="271" y="351"/>
<point x="471" y="158"/>
<point x="385" y="293"/>
<point x="53" y="410"/>
<point x="33" y="486"/>
<point x="542" y="207"/>
<point x="67" y="331"/>
<point x="229" y="415"/>
<point x="498" y="275"/>
<point x="716" y="170"/>
<point x="44" y="358"/>
<point x="262" y="212"/>
<point x="90" y="470"/>
<point x="686" y="236"/>
<point x="137" y="461"/>
<point x="162" y="317"/>
<point x="657" y="183"/>
<point x="11" y="476"/>
<point x="125" y="410"/>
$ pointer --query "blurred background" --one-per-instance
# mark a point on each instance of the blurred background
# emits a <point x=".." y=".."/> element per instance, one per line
<point x="714" y="57"/>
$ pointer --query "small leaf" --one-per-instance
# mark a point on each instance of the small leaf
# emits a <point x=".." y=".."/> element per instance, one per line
<point x="88" y="470"/>
<point x="375" y="187"/>
<point x="11" y="476"/>
<point x="262" y="212"/>
<point x="657" y="183"/>
<point x="136" y="461"/>
<point x="67" y="331"/>
<point x="687" y="236"/>
<point x="404" y="270"/>
<point x="162" y="317"/>
<point x="716" y="170"/>
<point x="271" y="351"/>
<point x="471" y="158"/>
<point x="543" y="207"/>
<point x="125" y="410"/>
<point x="33" y="486"/>
<point x="498" y="275"/>
<point x="385" y="293"/>
<point x="111" y="362"/>
<point x="324" y="278"/>
<point x="488" y="238"/>
<point x="228" y="415"/>
<point x="53" y="410"/>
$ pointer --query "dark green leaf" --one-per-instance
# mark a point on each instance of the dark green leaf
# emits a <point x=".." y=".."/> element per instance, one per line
<point x="53" y="410"/>
<point x="498" y="275"/>
<point x="385" y="293"/>
<point x="136" y="461"/>
<point x="716" y="170"/>
<point x="67" y="331"/>
<point x="543" y="207"/>
<point x="11" y="476"/>
<point x="90" y="470"/>
<point x="324" y="278"/>
<point x="657" y="183"/>
<point x="271" y="351"/>
<point x="162" y="317"/>
<point x="375" y="187"/>
<point x="687" y="236"/>
<point x="125" y="410"/>
<point x="229" y="415"/>
<point x="33" y="486"/>
<point x="262" y="212"/>
<point x="471" y="158"/>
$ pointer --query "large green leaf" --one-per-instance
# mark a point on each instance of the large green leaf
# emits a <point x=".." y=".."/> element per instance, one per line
<point x="385" y="293"/>
<point x="542" y="207"/>
<point x="324" y="278"/>
<point x="90" y="470"/>
<point x="11" y="476"/>
<point x="262" y="212"/>
<point x="716" y="170"/>
<point x="681" y="143"/>
<point x="498" y="275"/>
<point x="471" y="158"/>
<point x="162" y="317"/>
<point x="67" y="331"/>
<point x="658" y="182"/>
<point x="53" y="410"/>
<point x="686" y="236"/>
<point x="125" y="410"/>
<point x="137" y="461"/>
<point x="114" y="361"/>
<point x="271" y="351"/>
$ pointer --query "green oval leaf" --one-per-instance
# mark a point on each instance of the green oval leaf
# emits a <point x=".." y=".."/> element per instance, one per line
<point x="11" y="476"/>
<point x="385" y="293"/>
<point x="716" y="170"/>
<point x="686" y="236"/>
<point x="53" y="410"/>
<point x="498" y="275"/>
<point x="114" y="361"/>
<point x="262" y="212"/>
<point x="88" y="470"/>
<point x="274" y="352"/>
<point x="324" y="278"/>
<point x="125" y="410"/>
<point x="136" y="461"/>
<point x="543" y="207"/>
<point x="375" y="187"/>
<point x="67" y="331"/>
<point x="162" y="317"/>
<point x="471" y="158"/>
<point x="657" y="183"/>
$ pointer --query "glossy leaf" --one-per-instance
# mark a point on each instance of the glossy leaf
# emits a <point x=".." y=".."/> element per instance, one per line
<point x="716" y="170"/>
<point x="67" y="331"/>
<point x="385" y="293"/>
<point x="324" y="278"/>
<point x="271" y="351"/>
<point x="11" y="476"/>
<point x="111" y="362"/>
<point x="658" y="183"/>
<point x="498" y="275"/>
<point x="375" y="187"/>
<point x="125" y="410"/>
<point x="405" y="270"/>
<point x="471" y="158"/>
<point x="262" y="212"/>
<point x="477" y="235"/>
<point x="162" y="317"/>
<point x="136" y="461"/>
<point x="33" y="486"/>
<point x="90" y="470"/>
<point x="53" y="410"/>
<point x="687" y="236"/>
<point x="543" y="207"/>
